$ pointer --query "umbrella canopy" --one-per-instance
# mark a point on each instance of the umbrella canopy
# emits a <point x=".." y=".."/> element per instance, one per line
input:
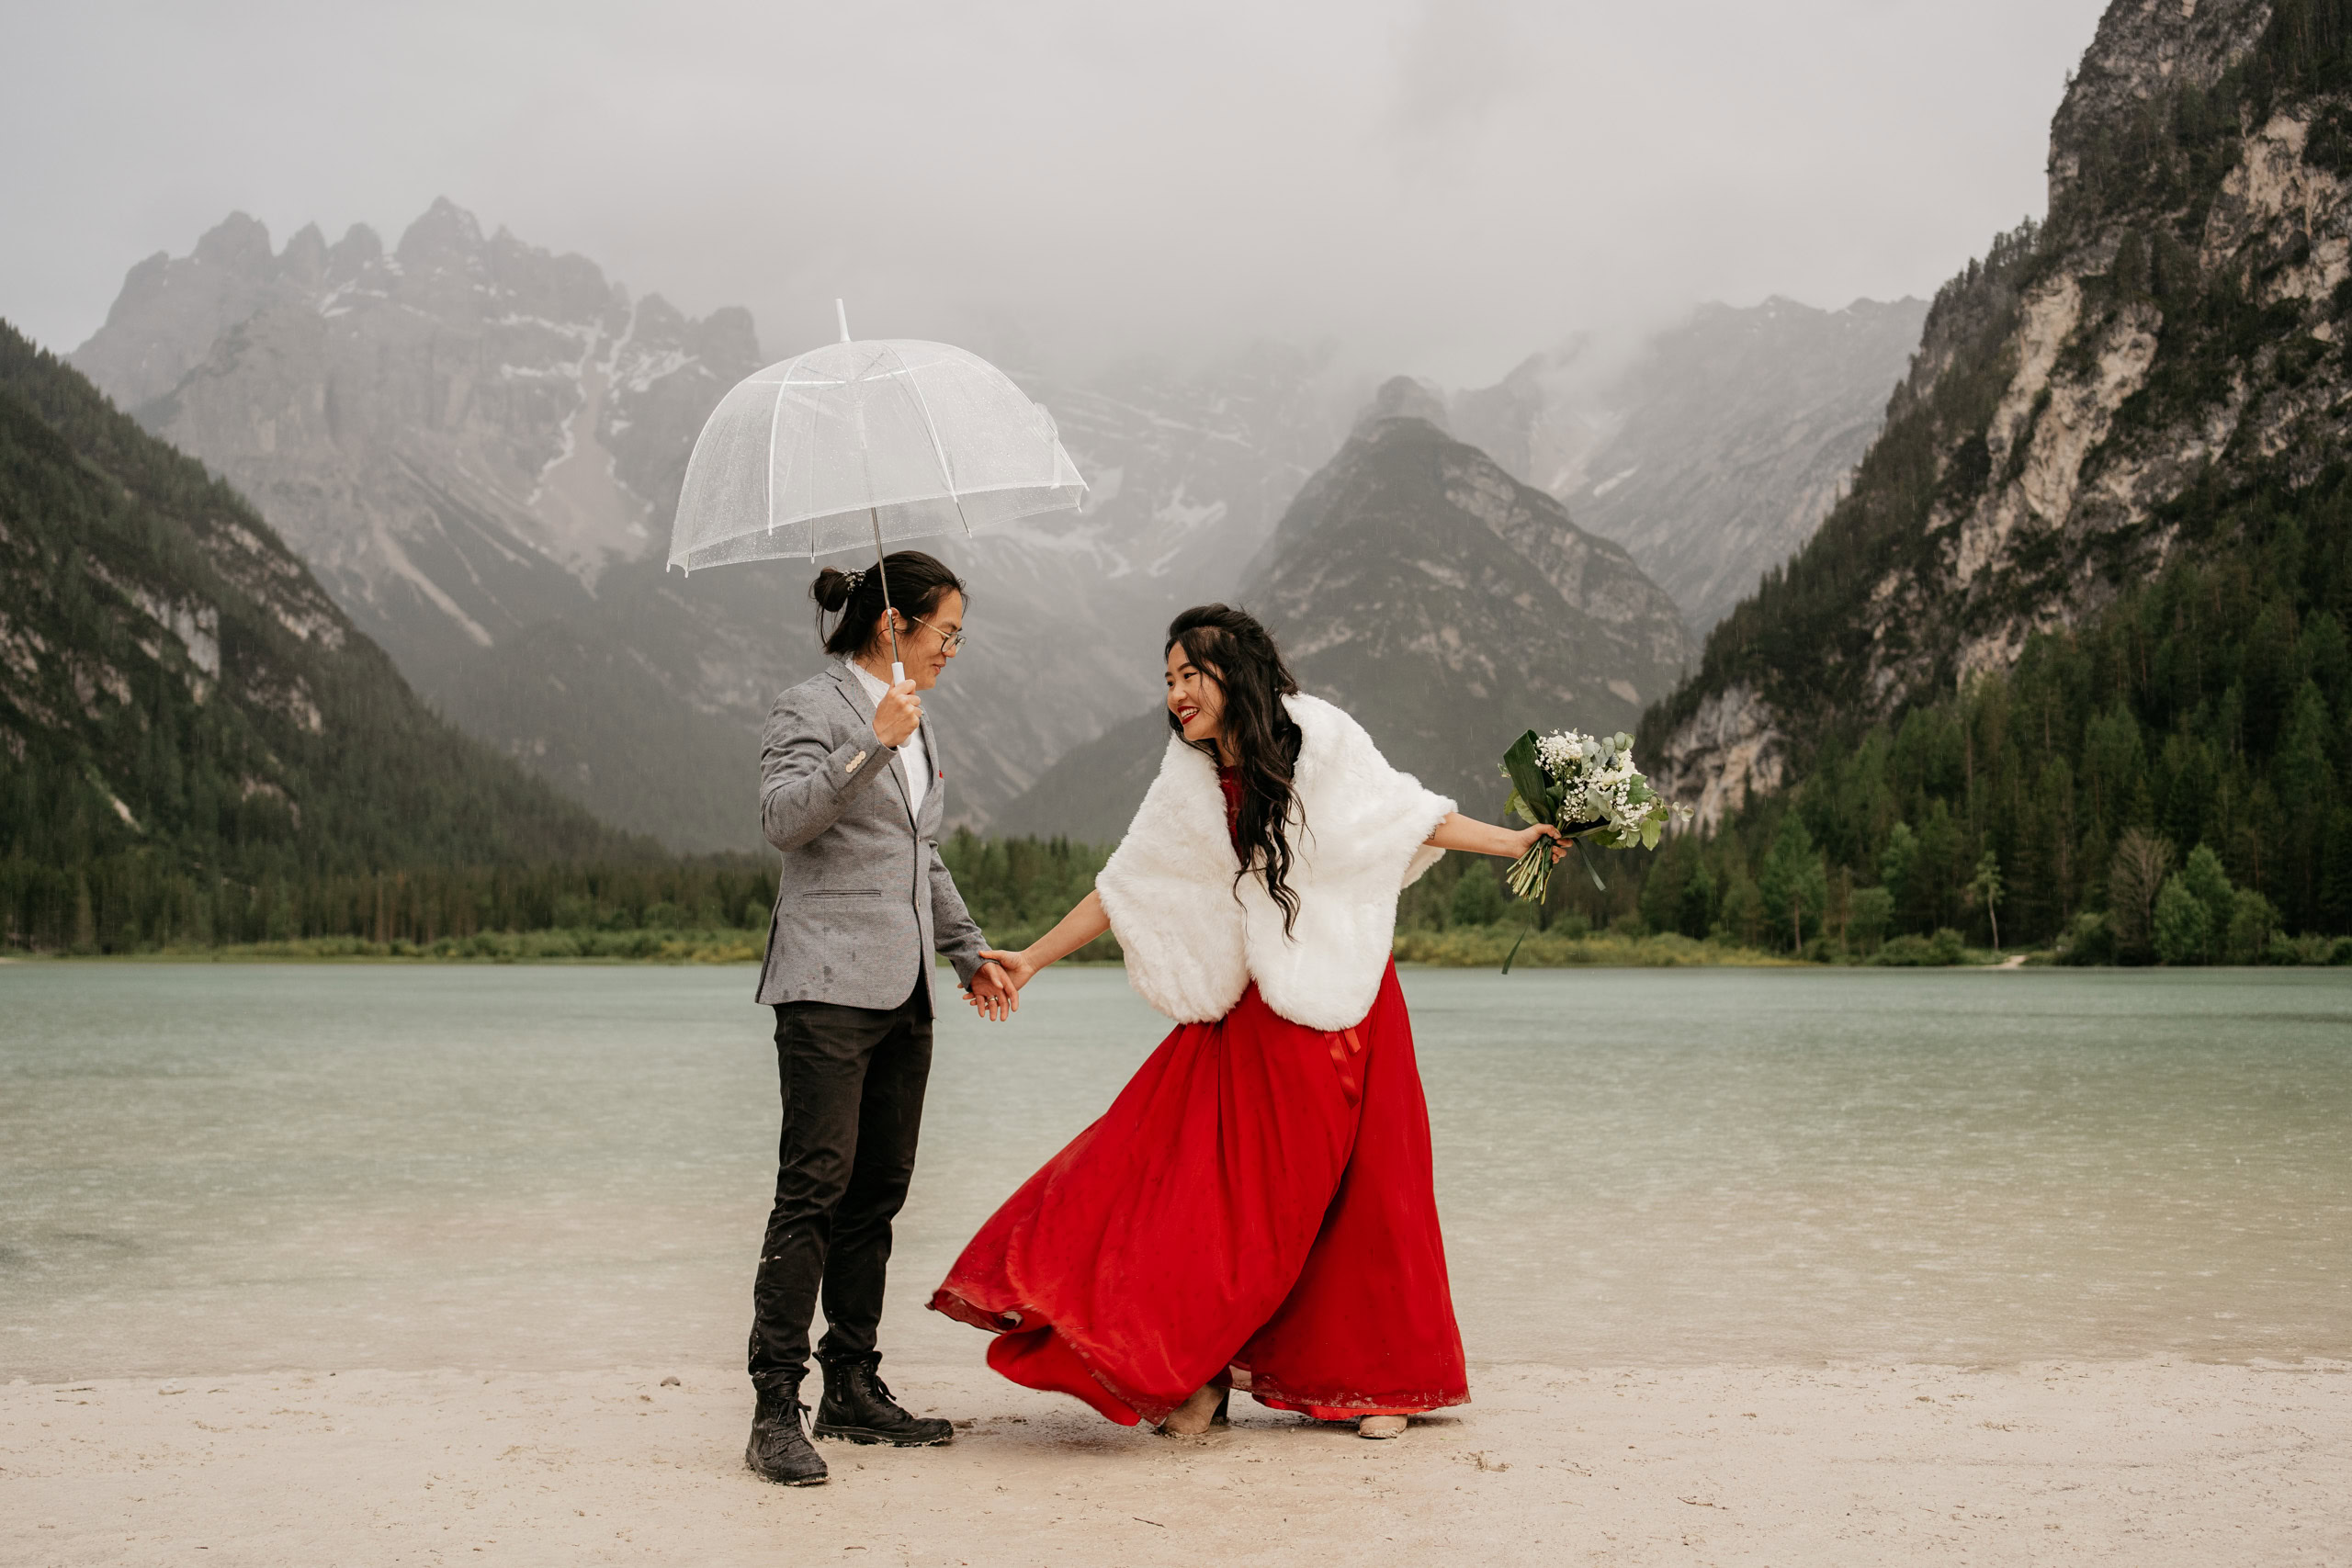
<point x="859" y="442"/>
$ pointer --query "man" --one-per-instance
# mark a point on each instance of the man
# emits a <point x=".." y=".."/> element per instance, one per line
<point x="851" y="793"/>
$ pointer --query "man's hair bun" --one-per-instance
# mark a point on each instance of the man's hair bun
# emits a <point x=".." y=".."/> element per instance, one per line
<point x="917" y="585"/>
<point x="831" y="590"/>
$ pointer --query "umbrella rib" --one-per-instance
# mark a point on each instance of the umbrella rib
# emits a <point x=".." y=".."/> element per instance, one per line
<point x="931" y="428"/>
<point x="811" y="449"/>
<point x="807" y="463"/>
<point x="775" y="418"/>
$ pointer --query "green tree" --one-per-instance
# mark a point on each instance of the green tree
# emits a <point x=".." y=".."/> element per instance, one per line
<point x="2182" y="929"/>
<point x="1985" y="888"/>
<point x="2203" y="877"/>
<point x="1744" y="916"/>
<point x="1694" y="913"/>
<point x="1938" y="874"/>
<point x="1478" y="899"/>
<point x="2136" y="874"/>
<point x="1666" y="878"/>
<point x="2114" y="760"/>
<point x="2253" y="920"/>
<point x="1794" y="884"/>
<point x="2335" y="869"/>
<point x="1866" y="914"/>
<point x="1896" y="863"/>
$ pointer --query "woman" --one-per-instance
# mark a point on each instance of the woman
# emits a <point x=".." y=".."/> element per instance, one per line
<point x="852" y="797"/>
<point x="1255" y="1210"/>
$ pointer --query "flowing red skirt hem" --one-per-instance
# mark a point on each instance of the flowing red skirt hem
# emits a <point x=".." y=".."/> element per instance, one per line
<point x="1035" y="1355"/>
<point x="1255" y="1209"/>
<point x="1349" y="1406"/>
<point x="1334" y="1412"/>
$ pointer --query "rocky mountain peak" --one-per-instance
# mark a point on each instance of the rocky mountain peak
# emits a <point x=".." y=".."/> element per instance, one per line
<point x="1450" y="605"/>
<point x="2144" y="49"/>
<point x="1443" y="602"/>
<point x="170" y="310"/>
<point x="477" y="444"/>
<point x="238" y="243"/>
<point x="1713" y="451"/>
<point x="2090" y="406"/>
<point x="443" y="236"/>
<point x="304" y="259"/>
<point x="359" y="249"/>
<point x="1402" y="397"/>
<point x="420" y="424"/>
<point x="183" y="699"/>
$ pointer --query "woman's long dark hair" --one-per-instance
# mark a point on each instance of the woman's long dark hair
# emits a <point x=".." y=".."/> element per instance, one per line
<point x="1230" y="647"/>
<point x="917" y="583"/>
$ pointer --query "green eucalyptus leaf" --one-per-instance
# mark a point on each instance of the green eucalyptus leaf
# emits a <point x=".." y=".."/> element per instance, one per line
<point x="1527" y="774"/>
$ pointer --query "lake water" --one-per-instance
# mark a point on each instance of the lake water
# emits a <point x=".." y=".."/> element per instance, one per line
<point x="214" y="1167"/>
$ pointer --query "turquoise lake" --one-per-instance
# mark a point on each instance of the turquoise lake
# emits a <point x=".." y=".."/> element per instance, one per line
<point x="214" y="1167"/>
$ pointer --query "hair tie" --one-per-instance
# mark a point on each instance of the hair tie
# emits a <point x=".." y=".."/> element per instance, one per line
<point x="854" y="578"/>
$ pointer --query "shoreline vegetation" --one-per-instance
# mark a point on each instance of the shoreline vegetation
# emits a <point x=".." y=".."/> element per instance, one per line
<point x="1465" y="947"/>
<point x="713" y="911"/>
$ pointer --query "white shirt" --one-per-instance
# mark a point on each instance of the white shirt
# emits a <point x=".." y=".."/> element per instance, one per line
<point x="911" y="756"/>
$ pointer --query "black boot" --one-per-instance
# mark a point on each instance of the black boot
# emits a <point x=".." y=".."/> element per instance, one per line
<point x="779" y="1450"/>
<point x="857" y="1405"/>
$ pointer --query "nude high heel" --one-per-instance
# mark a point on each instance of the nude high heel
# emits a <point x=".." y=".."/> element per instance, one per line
<point x="1380" y="1426"/>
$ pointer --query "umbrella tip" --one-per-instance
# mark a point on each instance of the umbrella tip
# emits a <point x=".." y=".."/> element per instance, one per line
<point x="840" y="314"/>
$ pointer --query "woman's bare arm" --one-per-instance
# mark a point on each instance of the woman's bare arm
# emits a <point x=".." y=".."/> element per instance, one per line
<point x="1086" y="921"/>
<point x="1473" y="837"/>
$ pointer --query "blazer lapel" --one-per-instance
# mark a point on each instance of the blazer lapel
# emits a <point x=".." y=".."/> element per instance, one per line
<point x="931" y="790"/>
<point x="853" y="691"/>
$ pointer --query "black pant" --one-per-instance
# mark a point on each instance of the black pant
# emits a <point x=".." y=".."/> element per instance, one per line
<point x="851" y="1080"/>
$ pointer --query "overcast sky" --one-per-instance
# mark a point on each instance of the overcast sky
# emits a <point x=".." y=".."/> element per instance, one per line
<point x="1440" y="187"/>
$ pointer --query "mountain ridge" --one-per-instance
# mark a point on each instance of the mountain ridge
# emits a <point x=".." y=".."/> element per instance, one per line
<point x="1411" y="554"/>
<point x="2011" y="493"/>
<point x="479" y="445"/>
<point x="189" y="727"/>
<point x="2074" y="642"/>
<point x="1714" y="450"/>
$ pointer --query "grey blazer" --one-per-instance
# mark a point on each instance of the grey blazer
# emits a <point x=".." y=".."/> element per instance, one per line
<point x="864" y="900"/>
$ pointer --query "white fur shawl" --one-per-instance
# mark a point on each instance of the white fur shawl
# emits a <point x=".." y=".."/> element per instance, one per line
<point x="1194" y="941"/>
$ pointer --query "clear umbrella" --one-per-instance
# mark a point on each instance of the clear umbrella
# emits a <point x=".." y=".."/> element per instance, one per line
<point x="859" y="444"/>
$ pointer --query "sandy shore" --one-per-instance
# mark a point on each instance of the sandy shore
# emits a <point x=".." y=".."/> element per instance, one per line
<point x="2141" y="1462"/>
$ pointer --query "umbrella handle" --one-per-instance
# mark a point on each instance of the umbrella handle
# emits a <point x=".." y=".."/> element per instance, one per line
<point x="889" y="611"/>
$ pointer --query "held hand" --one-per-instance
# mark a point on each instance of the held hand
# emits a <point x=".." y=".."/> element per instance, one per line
<point x="1019" y="967"/>
<point x="897" y="714"/>
<point x="1525" y="837"/>
<point x="996" y="997"/>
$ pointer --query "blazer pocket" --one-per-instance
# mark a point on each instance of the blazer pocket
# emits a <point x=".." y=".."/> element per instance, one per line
<point x="844" y="893"/>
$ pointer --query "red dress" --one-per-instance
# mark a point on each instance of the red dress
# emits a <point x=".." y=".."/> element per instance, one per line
<point x="1255" y="1209"/>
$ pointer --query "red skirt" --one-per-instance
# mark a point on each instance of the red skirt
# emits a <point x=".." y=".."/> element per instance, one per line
<point x="1255" y="1210"/>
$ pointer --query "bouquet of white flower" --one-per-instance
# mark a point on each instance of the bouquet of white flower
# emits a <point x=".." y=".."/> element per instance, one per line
<point x="1588" y="787"/>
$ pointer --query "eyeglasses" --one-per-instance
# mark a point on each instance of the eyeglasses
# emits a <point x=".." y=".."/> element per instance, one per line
<point x="951" y="642"/>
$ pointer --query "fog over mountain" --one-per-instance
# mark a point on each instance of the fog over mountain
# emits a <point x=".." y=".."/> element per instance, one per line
<point x="478" y="445"/>
<point x="1445" y="603"/>
<point x="189" y="726"/>
<point x="1712" y="451"/>
<point x="1440" y="187"/>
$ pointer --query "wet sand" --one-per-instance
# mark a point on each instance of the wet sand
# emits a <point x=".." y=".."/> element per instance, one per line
<point x="2141" y="1462"/>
